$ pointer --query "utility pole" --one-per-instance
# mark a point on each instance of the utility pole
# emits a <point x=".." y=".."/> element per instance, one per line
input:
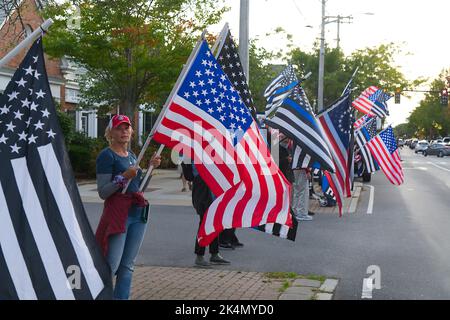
<point x="321" y="60"/>
<point x="244" y="36"/>
<point x="339" y="20"/>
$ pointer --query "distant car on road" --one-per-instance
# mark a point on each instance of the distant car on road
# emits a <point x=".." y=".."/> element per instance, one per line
<point x="446" y="141"/>
<point x="413" y="143"/>
<point x="421" y="146"/>
<point x="437" y="149"/>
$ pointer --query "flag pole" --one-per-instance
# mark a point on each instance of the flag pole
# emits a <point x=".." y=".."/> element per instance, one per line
<point x="350" y="81"/>
<point x="305" y="77"/>
<point x="150" y="170"/>
<point x="220" y="40"/>
<point x="164" y="110"/>
<point x="26" y="42"/>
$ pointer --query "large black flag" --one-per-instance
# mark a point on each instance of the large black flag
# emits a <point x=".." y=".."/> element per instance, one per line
<point x="47" y="247"/>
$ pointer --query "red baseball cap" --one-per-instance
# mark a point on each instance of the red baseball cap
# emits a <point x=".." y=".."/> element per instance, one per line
<point x="117" y="120"/>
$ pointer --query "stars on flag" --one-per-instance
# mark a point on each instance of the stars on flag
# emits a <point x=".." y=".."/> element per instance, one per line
<point x="217" y="97"/>
<point x="24" y="119"/>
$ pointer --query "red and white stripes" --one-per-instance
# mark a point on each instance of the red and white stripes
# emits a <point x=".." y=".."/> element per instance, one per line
<point x="250" y="188"/>
<point x="389" y="163"/>
<point x="363" y="103"/>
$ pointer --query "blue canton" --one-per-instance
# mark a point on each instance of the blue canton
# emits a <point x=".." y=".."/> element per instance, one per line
<point x="208" y="88"/>
<point x="389" y="139"/>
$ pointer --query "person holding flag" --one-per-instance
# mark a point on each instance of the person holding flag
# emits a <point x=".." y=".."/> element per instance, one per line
<point x="124" y="220"/>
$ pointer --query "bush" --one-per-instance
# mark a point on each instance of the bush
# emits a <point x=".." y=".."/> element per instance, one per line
<point x="83" y="152"/>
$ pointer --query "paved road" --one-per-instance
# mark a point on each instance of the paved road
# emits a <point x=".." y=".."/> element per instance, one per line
<point x="407" y="236"/>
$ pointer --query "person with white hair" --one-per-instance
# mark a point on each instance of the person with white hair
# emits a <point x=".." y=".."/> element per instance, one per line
<point x="124" y="220"/>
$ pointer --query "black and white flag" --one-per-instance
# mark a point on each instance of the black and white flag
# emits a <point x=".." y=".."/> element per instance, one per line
<point x="47" y="247"/>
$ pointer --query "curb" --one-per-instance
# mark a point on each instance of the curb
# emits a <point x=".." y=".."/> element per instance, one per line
<point x="305" y="289"/>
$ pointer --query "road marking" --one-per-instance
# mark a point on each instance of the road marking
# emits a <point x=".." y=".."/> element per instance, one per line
<point x="438" y="166"/>
<point x="354" y="201"/>
<point x="370" y="206"/>
<point x="416" y="168"/>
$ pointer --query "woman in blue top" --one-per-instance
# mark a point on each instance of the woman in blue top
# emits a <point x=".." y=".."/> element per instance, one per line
<point x="123" y="223"/>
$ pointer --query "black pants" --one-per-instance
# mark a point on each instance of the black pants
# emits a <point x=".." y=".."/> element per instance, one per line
<point x="228" y="236"/>
<point x="213" y="246"/>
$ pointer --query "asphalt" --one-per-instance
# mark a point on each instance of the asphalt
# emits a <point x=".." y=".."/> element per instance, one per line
<point x="406" y="236"/>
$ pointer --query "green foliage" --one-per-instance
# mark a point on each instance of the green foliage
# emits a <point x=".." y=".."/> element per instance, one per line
<point x="261" y="73"/>
<point x="281" y="275"/>
<point x="67" y="124"/>
<point x="405" y="130"/>
<point x="132" y="50"/>
<point x="430" y="119"/>
<point x="376" y="67"/>
<point x="83" y="153"/>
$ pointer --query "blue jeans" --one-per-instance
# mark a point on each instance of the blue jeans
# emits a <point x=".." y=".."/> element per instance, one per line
<point x="122" y="252"/>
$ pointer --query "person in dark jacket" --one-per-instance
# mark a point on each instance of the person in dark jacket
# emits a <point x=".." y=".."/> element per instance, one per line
<point x="202" y="198"/>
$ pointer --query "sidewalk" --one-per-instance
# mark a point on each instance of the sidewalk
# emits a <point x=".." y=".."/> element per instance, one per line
<point x="170" y="283"/>
<point x="163" y="283"/>
<point x="165" y="189"/>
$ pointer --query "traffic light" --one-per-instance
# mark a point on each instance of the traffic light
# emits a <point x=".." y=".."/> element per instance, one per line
<point x="444" y="97"/>
<point x="397" y="96"/>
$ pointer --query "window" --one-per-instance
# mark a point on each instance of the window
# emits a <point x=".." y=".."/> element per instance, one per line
<point x="84" y="123"/>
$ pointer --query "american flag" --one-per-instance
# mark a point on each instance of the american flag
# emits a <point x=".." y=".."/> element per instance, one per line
<point x="279" y="89"/>
<point x="363" y="135"/>
<point x="229" y="60"/>
<point x="45" y="236"/>
<point x="358" y="123"/>
<point x="337" y="124"/>
<point x="372" y="102"/>
<point x="295" y="118"/>
<point x="207" y="118"/>
<point x="385" y="150"/>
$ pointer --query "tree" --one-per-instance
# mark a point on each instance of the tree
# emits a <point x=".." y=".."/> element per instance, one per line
<point x="12" y="11"/>
<point x="405" y="130"/>
<point x="132" y="50"/>
<point x="430" y="118"/>
<point x="261" y="72"/>
<point x="376" y="68"/>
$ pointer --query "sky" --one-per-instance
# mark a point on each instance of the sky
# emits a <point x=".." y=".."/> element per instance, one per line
<point x="419" y="27"/>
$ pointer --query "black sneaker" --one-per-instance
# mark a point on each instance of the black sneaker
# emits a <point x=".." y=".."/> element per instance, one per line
<point x="226" y="245"/>
<point x="237" y="244"/>
<point x="310" y="213"/>
<point x="218" y="259"/>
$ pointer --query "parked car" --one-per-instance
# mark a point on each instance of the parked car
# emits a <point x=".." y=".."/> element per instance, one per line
<point x="437" y="149"/>
<point x="401" y="142"/>
<point x="413" y="143"/>
<point x="446" y="141"/>
<point x="421" y="146"/>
